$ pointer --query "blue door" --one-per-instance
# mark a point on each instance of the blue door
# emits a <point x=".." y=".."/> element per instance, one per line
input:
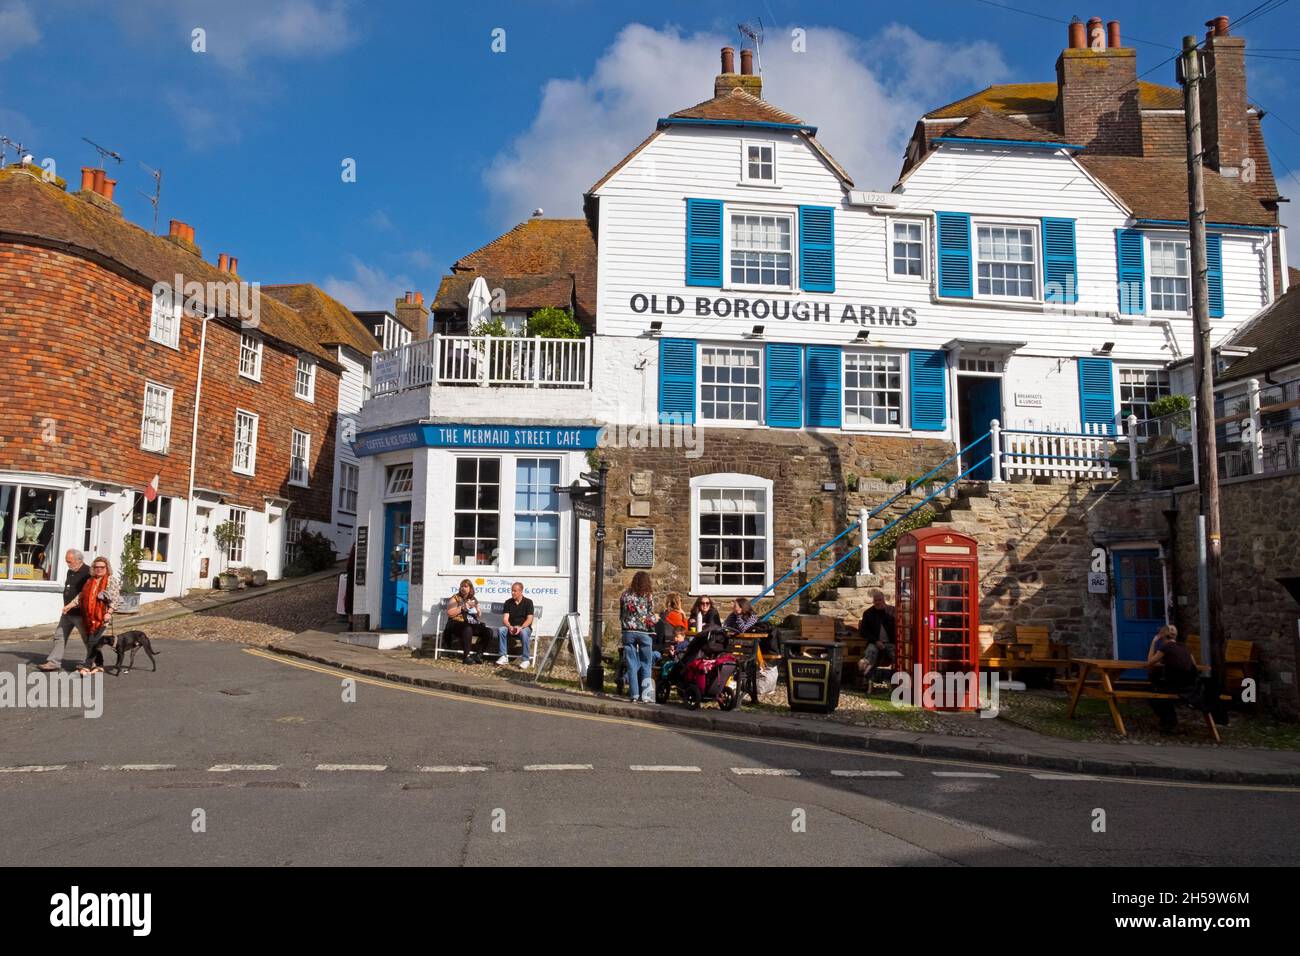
<point x="397" y="566"/>
<point x="1139" y="604"/>
<point x="979" y="401"/>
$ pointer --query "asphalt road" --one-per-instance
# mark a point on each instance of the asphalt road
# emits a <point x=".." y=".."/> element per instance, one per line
<point x="404" y="775"/>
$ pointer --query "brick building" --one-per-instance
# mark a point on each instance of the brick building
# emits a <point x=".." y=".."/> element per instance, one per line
<point x="106" y="362"/>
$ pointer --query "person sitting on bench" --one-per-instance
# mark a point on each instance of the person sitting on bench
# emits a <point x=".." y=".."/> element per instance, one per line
<point x="517" y="622"/>
<point x="464" y="622"/>
<point x="878" y="629"/>
<point x="1172" y="671"/>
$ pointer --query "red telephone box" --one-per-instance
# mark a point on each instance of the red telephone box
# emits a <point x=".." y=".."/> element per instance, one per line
<point x="937" y="609"/>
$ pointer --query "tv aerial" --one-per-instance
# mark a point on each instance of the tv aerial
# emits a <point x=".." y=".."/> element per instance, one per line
<point x="104" y="152"/>
<point x="754" y="33"/>
<point x="156" y="198"/>
<point x="7" y="144"/>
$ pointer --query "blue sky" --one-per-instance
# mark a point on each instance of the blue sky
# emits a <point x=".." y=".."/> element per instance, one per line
<point x="454" y="142"/>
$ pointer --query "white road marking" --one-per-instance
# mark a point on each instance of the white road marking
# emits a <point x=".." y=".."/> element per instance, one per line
<point x="33" y="769"/>
<point x="965" y="773"/>
<point x="352" y="766"/>
<point x="764" y="772"/>
<point x="229" y="767"/>
<point x="450" y="769"/>
<point x="663" y="768"/>
<point x="865" y="773"/>
<point x="1062" y="776"/>
<point x="558" y="766"/>
<point x="142" y="766"/>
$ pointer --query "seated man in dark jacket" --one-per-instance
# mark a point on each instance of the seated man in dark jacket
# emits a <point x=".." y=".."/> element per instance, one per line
<point x="877" y="628"/>
<point x="1172" y="671"/>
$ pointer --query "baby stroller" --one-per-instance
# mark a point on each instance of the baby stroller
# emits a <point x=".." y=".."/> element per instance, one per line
<point x="701" y="671"/>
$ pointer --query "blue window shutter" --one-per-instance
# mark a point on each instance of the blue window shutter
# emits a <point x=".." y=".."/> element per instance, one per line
<point x="1060" y="264"/>
<point x="1097" y="393"/>
<point x="817" y="248"/>
<point x="928" y="380"/>
<point x="677" y="380"/>
<point x="825" y="368"/>
<point x="1214" y="277"/>
<point x="954" y="254"/>
<point x="704" y="242"/>
<point x="784" y="385"/>
<point x="1132" y="272"/>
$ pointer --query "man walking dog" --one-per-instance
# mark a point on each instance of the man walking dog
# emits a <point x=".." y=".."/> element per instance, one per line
<point x="71" y="617"/>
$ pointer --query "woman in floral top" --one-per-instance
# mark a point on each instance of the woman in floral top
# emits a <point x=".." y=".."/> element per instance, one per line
<point x="637" y="618"/>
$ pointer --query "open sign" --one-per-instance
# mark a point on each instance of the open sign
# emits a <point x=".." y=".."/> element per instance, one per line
<point x="152" y="582"/>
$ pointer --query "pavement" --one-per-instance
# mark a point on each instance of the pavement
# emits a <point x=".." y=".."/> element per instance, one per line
<point x="230" y="755"/>
<point x="1144" y="761"/>
<point x="199" y="599"/>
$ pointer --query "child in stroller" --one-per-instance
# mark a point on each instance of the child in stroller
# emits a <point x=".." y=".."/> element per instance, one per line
<point x="700" y="670"/>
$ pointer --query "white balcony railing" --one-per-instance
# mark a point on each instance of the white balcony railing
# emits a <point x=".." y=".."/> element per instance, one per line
<point x="1063" y="451"/>
<point x="484" y="361"/>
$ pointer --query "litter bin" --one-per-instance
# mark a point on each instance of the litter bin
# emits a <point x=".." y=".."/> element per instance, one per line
<point x="812" y="675"/>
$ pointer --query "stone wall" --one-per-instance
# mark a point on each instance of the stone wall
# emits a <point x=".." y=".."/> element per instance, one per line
<point x="650" y="488"/>
<point x="1261" y="543"/>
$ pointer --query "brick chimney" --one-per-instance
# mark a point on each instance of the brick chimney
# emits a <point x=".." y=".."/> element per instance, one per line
<point x="183" y="235"/>
<point x="1097" y="99"/>
<point x="746" y="79"/>
<point x="97" y="189"/>
<point x="1223" y="99"/>
<point x="412" y="313"/>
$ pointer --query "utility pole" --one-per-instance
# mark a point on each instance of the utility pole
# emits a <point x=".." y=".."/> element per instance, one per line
<point x="1208" y="529"/>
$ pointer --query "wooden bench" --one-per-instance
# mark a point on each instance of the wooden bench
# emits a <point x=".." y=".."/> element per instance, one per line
<point x="488" y="614"/>
<point x="1239" y="663"/>
<point x="1094" y="680"/>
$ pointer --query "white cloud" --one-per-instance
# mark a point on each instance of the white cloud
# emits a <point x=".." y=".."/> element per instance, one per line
<point x="1290" y="186"/>
<point x="864" y="95"/>
<point x="17" y="28"/>
<point x="368" y="287"/>
<point x="420" y="258"/>
<point x="239" y="31"/>
<point x="202" y="127"/>
<point x="379" y="221"/>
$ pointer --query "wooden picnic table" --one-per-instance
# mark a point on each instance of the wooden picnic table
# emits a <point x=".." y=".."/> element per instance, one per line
<point x="1103" y="687"/>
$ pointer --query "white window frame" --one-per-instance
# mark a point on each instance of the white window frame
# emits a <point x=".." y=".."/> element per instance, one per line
<point x="1148" y="239"/>
<point x="762" y="385"/>
<point x="399" y="481"/>
<point x="728" y="481"/>
<point x="305" y="458"/>
<point x="903" y="396"/>
<point x="250" y="345"/>
<point x="164" y="430"/>
<point x="165" y="320"/>
<point x="745" y="178"/>
<point x="293" y="532"/>
<point x="251" y="467"/>
<point x="18" y="488"/>
<point x="309" y="392"/>
<point x="348" y="490"/>
<point x="1120" y="385"/>
<point x="516" y="514"/>
<point x="925" y="249"/>
<point x="236" y="552"/>
<point x="1034" y="244"/>
<point x="785" y="212"/>
<point x="502" y="539"/>
<point x="158" y="530"/>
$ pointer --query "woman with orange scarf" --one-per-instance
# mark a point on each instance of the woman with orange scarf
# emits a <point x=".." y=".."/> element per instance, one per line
<point x="99" y="596"/>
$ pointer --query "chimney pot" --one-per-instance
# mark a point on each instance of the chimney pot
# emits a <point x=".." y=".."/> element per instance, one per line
<point x="1219" y="26"/>
<point x="223" y="262"/>
<point x="98" y="184"/>
<point x="1112" y="35"/>
<point x="1078" y="35"/>
<point x="87" y="179"/>
<point x="189" y="232"/>
<point x="234" y="266"/>
<point x="419" y="298"/>
<point x="176" y="228"/>
<point x="728" y="60"/>
<point x="107" y="190"/>
<point x="747" y="62"/>
<point x="1095" y="29"/>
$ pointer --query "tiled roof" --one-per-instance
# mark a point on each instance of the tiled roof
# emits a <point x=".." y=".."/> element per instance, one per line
<point x="332" y="321"/>
<point x="1274" y="335"/>
<point x="521" y="292"/>
<point x="986" y="124"/>
<point x="738" y="105"/>
<point x="540" y="257"/>
<point x="1157" y="189"/>
<point x="49" y="216"/>
<point x="1041" y="98"/>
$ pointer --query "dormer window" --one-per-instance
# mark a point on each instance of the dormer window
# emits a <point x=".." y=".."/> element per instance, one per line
<point x="759" y="163"/>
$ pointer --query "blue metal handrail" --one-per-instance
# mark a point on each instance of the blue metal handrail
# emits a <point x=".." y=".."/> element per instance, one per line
<point x="873" y="536"/>
<point x="871" y="514"/>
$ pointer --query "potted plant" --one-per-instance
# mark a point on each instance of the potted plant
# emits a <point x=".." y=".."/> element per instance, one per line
<point x="259" y="579"/>
<point x="226" y="534"/>
<point x="133" y="553"/>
